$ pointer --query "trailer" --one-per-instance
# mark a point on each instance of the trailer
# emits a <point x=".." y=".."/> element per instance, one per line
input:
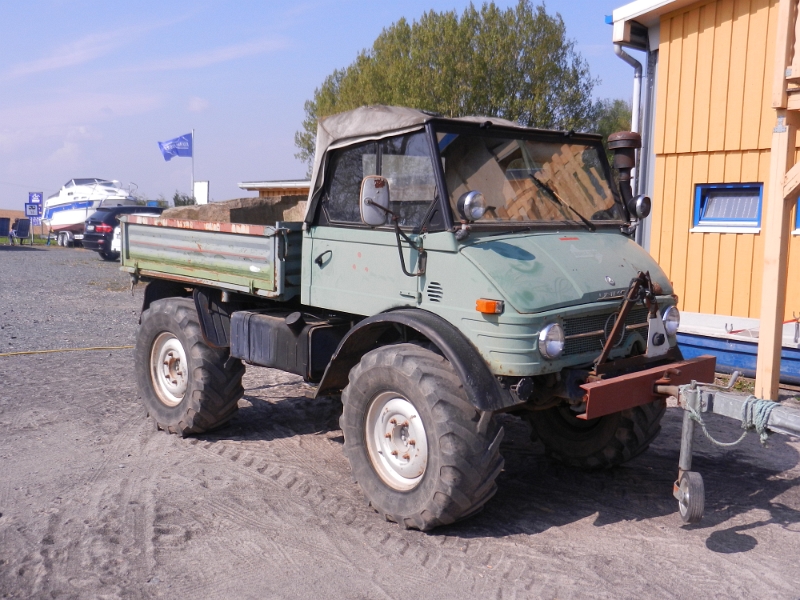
<point x="761" y="416"/>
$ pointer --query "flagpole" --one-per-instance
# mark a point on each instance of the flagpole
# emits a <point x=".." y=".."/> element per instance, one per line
<point x="192" y="189"/>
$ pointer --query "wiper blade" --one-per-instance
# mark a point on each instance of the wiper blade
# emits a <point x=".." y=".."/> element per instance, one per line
<point x="560" y="202"/>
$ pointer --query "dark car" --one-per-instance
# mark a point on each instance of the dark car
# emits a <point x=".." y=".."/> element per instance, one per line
<point x="99" y="227"/>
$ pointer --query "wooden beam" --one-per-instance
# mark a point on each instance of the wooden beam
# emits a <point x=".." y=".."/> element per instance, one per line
<point x="784" y="49"/>
<point x="791" y="183"/>
<point x="776" y="232"/>
<point x="793" y="101"/>
<point x="793" y="70"/>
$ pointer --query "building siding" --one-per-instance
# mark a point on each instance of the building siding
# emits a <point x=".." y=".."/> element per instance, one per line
<point x="714" y="121"/>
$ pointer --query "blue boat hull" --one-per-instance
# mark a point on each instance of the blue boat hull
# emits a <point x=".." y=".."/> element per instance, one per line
<point x="737" y="355"/>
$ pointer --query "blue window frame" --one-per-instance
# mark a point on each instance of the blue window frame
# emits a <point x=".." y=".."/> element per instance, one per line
<point x="728" y="205"/>
<point x="797" y="216"/>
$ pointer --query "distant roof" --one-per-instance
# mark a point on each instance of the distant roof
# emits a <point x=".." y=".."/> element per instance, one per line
<point x="283" y="184"/>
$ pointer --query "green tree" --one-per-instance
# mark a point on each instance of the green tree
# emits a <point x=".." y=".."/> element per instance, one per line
<point x="515" y="63"/>
<point x="610" y="116"/>
<point x="179" y="199"/>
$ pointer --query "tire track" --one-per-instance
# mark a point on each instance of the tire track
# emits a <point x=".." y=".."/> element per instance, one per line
<point x="340" y="508"/>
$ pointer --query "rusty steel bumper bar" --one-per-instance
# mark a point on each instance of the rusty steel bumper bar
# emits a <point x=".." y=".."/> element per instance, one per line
<point x="606" y="396"/>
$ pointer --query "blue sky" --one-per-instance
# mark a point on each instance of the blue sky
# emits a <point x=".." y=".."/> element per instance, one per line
<point x="88" y="88"/>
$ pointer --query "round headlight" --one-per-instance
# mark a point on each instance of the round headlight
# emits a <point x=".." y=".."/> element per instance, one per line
<point x="639" y="206"/>
<point x="472" y="205"/>
<point x="672" y="320"/>
<point x="551" y="341"/>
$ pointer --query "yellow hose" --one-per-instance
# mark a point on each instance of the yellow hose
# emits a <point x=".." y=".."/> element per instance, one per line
<point x="65" y="350"/>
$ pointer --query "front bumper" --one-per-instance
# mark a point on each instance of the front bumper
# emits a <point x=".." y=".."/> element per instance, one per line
<point x="606" y="396"/>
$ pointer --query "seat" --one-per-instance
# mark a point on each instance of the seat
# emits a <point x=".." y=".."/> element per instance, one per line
<point x="21" y="230"/>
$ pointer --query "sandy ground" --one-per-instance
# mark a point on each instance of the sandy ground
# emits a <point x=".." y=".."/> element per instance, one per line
<point x="96" y="503"/>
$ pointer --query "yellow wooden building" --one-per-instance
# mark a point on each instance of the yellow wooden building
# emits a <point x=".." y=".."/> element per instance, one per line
<point x="714" y="101"/>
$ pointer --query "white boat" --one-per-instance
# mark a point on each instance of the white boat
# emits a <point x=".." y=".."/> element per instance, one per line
<point x="66" y="210"/>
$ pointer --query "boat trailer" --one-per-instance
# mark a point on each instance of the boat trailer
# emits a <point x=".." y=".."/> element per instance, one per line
<point x="695" y="398"/>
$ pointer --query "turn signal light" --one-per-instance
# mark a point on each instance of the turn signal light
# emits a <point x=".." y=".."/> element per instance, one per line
<point x="489" y="307"/>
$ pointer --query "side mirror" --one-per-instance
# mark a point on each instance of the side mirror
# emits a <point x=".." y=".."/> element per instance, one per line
<point x="374" y="200"/>
<point x="639" y="206"/>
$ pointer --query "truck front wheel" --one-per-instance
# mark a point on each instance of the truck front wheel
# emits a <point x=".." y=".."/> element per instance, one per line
<point x="599" y="443"/>
<point x="422" y="454"/>
<point x="186" y="386"/>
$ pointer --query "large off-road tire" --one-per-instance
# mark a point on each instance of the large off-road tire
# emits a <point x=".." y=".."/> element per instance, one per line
<point x="422" y="454"/>
<point x="186" y="386"/>
<point x="599" y="443"/>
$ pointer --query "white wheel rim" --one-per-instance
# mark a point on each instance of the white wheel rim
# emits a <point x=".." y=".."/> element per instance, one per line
<point x="396" y="441"/>
<point x="168" y="369"/>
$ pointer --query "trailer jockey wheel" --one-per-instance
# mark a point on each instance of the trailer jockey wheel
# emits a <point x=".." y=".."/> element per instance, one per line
<point x="691" y="496"/>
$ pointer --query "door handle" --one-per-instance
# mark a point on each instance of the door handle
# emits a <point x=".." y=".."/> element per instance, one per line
<point x="319" y="260"/>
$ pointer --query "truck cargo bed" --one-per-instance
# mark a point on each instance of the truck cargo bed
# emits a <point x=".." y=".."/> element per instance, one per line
<point x="255" y="259"/>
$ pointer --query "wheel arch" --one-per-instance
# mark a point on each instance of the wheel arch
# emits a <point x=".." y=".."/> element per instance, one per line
<point x="482" y="388"/>
<point x="158" y="289"/>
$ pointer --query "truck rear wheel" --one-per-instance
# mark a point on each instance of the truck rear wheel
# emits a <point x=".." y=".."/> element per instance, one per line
<point x="598" y="443"/>
<point x="186" y="386"/>
<point x="422" y="454"/>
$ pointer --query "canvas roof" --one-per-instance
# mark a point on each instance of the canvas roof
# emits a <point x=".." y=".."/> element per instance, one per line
<point x="370" y="123"/>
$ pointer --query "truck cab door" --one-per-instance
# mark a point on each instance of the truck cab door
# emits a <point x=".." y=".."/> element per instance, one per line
<point x="356" y="268"/>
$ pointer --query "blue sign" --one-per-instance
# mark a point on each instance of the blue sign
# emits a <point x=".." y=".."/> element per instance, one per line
<point x="36" y="221"/>
<point x="35" y="197"/>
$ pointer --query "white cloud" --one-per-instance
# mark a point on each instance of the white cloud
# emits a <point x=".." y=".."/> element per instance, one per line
<point x="67" y="157"/>
<point x="197" y="104"/>
<point x="85" y="49"/>
<point x="214" y="56"/>
<point x="68" y="117"/>
<point x="78" y="52"/>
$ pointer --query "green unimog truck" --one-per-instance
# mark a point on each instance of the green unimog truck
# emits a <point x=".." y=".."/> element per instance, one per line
<point x="447" y="270"/>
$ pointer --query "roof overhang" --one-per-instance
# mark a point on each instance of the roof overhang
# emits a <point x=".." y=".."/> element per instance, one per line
<point x="631" y="18"/>
<point x="296" y="186"/>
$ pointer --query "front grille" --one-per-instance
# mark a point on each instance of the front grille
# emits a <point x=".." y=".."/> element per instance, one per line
<point x="594" y="343"/>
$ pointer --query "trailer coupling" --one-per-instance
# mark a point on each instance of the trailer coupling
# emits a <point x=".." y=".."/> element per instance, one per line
<point x="763" y="416"/>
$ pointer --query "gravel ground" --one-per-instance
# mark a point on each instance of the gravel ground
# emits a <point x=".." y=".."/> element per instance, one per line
<point x="95" y="503"/>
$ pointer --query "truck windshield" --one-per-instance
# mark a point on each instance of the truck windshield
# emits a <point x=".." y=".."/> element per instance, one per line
<point x="527" y="180"/>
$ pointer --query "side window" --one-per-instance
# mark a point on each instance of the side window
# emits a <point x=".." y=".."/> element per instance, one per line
<point x="725" y="207"/>
<point x="406" y="163"/>
<point x="348" y="167"/>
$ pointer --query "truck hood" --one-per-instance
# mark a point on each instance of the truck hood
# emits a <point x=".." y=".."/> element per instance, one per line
<point x="536" y="272"/>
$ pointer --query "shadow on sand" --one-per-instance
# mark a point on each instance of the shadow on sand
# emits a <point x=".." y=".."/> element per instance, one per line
<point x="535" y="494"/>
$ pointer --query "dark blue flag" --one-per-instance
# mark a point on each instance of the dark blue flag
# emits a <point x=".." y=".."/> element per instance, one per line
<point x="180" y="146"/>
